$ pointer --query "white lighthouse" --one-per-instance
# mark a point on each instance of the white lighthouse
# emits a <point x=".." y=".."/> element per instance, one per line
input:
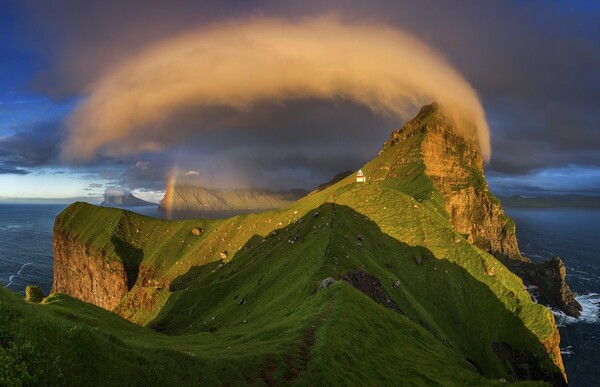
<point x="360" y="177"/>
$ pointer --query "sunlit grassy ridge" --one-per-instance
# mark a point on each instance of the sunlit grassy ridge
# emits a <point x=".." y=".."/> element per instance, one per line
<point x="258" y="316"/>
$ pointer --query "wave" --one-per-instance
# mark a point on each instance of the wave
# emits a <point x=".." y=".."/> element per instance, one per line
<point x="12" y="277"/>
<point x="534" y="292"/>
<point x="567" y="351"/>
<point x="590" y="311"/>
<point x="582" y="274"/>
<point x="15" y="226"/>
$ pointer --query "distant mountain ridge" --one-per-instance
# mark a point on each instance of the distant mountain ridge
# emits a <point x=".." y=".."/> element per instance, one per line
<point x="572" y="200"/>
<point x="196" y="198"/>
<point x="124" y="200"/>
<point x="339" y="177"/>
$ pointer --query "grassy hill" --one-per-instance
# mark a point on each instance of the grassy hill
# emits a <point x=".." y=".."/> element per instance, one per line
<point x="239" y="300"/>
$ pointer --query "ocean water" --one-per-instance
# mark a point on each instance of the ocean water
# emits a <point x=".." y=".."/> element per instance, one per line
<point x="26" y="240"/>
<point x="573" y="234"/>
<point x="26" y="245"/>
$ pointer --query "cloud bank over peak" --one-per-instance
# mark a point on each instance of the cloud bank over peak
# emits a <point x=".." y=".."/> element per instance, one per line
<point x="133" y="107"/>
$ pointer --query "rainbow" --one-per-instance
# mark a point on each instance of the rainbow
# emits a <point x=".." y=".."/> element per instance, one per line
<point x="170" y="191"/>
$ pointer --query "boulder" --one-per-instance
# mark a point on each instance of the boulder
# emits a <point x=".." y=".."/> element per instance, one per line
<point x="34" y="294"/>
<point x="326" y="282"/>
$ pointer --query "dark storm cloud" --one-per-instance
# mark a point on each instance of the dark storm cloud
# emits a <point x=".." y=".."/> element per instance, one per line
<point x="30" y="147"/>
<point x="545" y="134"/>
<point x="79" y="38"/>
<point x="148" y="172"/>
<point x="37" y="146"/>
<point x="535" y="65"/>
<point x="288" y="145"/>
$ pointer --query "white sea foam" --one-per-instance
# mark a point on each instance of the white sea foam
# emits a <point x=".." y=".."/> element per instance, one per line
<point x="567" y="351"/>
<point x="590" y="311"/>
<point x="534" y="291"/>
<point x="10" y="279"/>
<point x="14" y="226"/>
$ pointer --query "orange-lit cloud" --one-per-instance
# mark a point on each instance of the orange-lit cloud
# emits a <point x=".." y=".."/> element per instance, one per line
<point x="239" y="63"/>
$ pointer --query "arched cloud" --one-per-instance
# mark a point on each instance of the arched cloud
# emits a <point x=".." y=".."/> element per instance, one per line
<point x="240" y="63"/>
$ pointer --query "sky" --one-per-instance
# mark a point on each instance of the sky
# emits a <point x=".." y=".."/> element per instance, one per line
<point x="101" y="95"/>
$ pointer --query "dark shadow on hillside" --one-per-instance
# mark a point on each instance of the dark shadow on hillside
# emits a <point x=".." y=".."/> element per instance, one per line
<point x="198" y="273"/>
<point x="131" y="257"/>
<point x="522" y="364"/>
<point x="429" y="279"/>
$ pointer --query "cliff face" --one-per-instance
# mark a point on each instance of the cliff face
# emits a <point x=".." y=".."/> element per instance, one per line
<point x="87" y="274"/>
<point x="454" y="163"/>
<point x="194" y="198"/>
<point x="105" y="267"/>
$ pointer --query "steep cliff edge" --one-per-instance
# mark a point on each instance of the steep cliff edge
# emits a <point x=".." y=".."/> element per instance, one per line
<point x="454" y="163"/>
<point x="87" y="274"/>
<point x="433" y="144"/>
<point x="98" y="259"/>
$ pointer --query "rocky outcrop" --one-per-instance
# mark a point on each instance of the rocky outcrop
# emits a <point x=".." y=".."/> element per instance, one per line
<point x="34" y="294"/>
<point x="550" y="279"/>
<point x="86" y="274"/>
<point x="195" y="198"/>
<point x="453" y="161"/>
<point x="370" y="285"/>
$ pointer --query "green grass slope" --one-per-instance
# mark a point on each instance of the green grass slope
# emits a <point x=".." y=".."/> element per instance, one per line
<point x="413" y="303"/>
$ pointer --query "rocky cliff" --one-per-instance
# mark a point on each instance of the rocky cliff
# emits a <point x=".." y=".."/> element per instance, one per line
<point x="454" y="163"/>
<point x="87" y="274"/>
<point x="105" y="267"/>
<point x="549" y="278"/>
<point x="195" y="198"/>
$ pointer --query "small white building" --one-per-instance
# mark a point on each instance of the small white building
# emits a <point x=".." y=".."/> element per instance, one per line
<point x="360" y="177"/>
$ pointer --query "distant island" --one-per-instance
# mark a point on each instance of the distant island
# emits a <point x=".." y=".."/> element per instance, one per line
<point x="124" y="200"/>
<point x="551" y="201"/>
<point x="196" y="198"/>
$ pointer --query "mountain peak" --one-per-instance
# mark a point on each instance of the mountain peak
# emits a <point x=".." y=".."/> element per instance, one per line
<point x="435" y="143"/>
<point x="433" y="118"/>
